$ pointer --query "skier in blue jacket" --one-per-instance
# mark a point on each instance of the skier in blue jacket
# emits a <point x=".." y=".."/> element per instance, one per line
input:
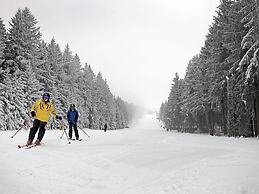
<point x="72" y="116"/>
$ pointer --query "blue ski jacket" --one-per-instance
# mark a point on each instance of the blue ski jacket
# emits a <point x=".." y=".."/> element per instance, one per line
<point x="72" y="116"/>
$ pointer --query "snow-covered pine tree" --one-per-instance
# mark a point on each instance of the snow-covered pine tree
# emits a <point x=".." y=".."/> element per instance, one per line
<point x="54" y="60"/>
<point x="3" y="40"/>
<point x="109" y="113"/>
<point x="250" y="59"/>
<point x="24" y="36"/>
<point x="42" y="68"/>
<point x="75" y="96"/>
<point x="63" y="80"/>
<point x="216" y="54"/>
<point x="100" y="101"/>
<point x="233" y="31"/>
<point x="119" y="118"/>
<point x="174" y="104"/>
<point x="192" y="96"/>
<point x="162" y="109"/>
<point x="3" y="88"/>
<point x="122" y="113"/>
<point x="86" y="86"/>
<point x="216" y="67"/>
<point x="22" y="46"/>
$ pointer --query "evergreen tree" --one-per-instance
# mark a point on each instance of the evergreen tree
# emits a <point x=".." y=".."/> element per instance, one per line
<point x="100" y="101"/>
<point x="249" y="61"/>
<point x="22" y="44"/>
<point x="2" y="39"/>
<point x="174" y="104"/>
<point x="24" y="36"/>
<point x="86" y="85"/>
<point x="122" y="113"/>
<point x="193" y="96"/>
<point x="54" y="58"/>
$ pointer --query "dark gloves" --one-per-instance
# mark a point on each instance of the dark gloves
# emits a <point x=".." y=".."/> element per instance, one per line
<point x="58" y="117"/>
<point x="33" y="113"/>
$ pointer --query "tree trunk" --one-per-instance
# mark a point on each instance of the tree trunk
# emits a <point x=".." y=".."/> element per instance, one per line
<point x="224" y="113"/>
<point x="256" y="108"/>
<point x="208" y="115"/>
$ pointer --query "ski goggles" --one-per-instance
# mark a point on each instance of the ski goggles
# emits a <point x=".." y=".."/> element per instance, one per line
<point x="46" y="97"/>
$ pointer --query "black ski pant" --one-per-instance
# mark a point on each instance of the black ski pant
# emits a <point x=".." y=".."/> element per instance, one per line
<point x="73" y="125"/>
<point x="36" y="125"/>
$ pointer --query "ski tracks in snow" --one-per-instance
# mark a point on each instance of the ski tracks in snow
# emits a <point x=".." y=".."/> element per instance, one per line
<point x="140" y="160"/>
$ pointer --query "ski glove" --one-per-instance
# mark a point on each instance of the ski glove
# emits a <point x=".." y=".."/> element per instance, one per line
<point x="33" y="114"/>
<point x="58" y="117"/>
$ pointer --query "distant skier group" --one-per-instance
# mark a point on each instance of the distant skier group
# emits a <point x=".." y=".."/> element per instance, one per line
<point x="41" y="111"/>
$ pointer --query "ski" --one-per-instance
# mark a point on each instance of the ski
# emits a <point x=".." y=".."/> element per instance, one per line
<point x="28" y="146"/>
<point x="22" y="146"/>
<point x="32" y="146"/>
<point x="77" y="139"/>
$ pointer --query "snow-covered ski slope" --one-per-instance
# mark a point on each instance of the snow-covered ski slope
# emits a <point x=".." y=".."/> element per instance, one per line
<point x="141" y="160"/>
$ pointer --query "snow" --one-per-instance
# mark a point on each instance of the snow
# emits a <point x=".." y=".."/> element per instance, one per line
<point x="144" y="159"/>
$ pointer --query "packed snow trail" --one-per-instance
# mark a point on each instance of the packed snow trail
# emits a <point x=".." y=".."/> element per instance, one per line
<point x="144" y="159"/>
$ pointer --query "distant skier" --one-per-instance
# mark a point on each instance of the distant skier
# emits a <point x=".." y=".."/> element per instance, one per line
<point x="41" y="111"/>
<point x="105" y="127"/>
<point x="72" y="117"/>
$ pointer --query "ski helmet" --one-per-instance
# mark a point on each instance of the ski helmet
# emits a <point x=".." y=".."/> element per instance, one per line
<point x="46" y="96"/>
<point x="72" y="105"/>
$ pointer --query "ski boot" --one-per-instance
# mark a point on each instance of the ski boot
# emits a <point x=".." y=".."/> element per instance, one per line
<point x="37" y="142"/>
<point x="29" y="142"/>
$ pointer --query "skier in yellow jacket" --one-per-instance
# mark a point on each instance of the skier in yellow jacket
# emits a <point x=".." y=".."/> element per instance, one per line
<point x="41" y="111"/>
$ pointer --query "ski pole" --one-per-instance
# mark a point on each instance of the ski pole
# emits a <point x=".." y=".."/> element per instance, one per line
<point x="62" y="127"/>
<point x="85" y="132"/>
<point x="17" y="131"/>
<point x="62" y="135"/>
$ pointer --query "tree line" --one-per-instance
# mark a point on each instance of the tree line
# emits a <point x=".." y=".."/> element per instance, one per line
<point x="30" y="66"/>
<point x="220" y="91"/>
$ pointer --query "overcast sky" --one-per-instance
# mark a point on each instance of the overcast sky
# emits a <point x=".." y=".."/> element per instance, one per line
<point x="138" y="45"/>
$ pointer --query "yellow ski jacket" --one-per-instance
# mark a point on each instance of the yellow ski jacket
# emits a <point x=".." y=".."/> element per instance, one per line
<point x="43" y="110"/>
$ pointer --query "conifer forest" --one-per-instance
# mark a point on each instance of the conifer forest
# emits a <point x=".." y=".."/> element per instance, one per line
<point x="220" y="91"/>
<point x="29" y="66"/>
